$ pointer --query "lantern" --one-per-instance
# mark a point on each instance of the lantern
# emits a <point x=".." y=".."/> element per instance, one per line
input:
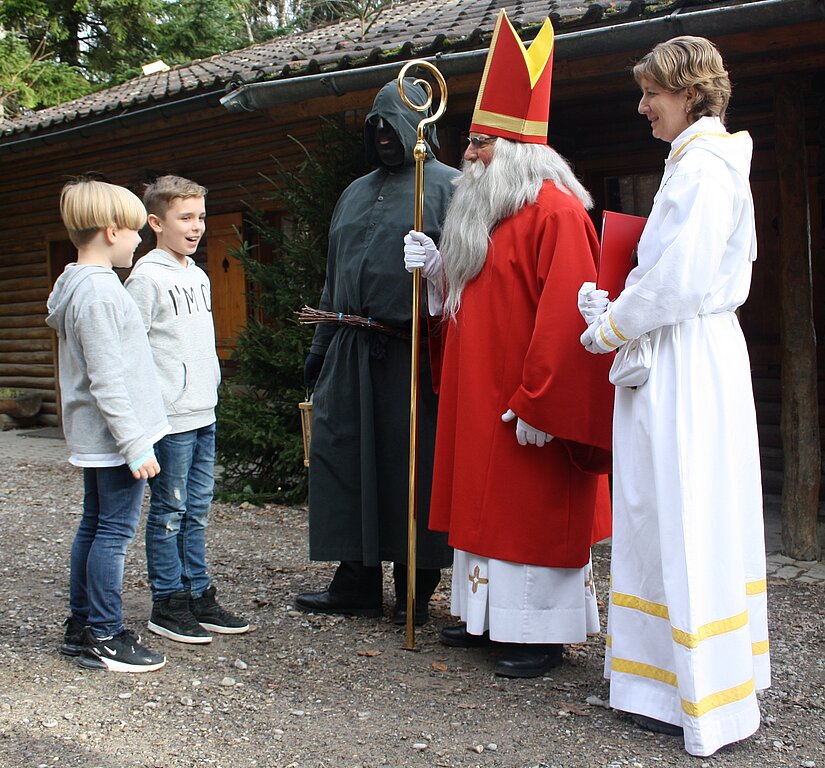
<point x="306" y="426"/>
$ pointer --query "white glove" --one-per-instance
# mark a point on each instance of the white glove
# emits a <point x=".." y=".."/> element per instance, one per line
<point x="592" y="302"/>
<point x="420" y="253"/>
<point x="592" y="340"/>
<point x="525" y="434"/>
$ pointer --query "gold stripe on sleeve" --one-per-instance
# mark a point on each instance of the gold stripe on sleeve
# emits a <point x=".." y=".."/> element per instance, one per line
<point x="604" y="338"/>
<point x="615" y="329"/>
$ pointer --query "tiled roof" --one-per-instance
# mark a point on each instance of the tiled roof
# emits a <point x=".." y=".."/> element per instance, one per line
<point x="406" y="29"/>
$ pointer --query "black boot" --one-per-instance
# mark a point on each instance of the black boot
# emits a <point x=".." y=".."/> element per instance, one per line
<point x="355" y="590"/>
<point x="529" y="659"/>
<point x="426" y="582"/>
<point x="458" y="637"/>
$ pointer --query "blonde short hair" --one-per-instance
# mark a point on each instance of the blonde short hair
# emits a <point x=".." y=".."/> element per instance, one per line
<point x="689" y="62"/>
<point x="89" y="205"/>
<point x="159" y="195"/>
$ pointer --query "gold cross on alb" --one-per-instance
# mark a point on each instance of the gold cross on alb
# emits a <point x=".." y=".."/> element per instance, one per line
<point x="588" y="583"/>
<point x="475" y="579"/>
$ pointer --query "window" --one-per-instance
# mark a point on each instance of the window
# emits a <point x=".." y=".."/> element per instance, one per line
<point x="631" y="194"/>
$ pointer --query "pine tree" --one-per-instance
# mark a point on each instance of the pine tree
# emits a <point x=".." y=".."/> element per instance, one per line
<point x="30" y="79"/>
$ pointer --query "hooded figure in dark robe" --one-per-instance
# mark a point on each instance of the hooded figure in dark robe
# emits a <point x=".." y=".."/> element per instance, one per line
<point x="359" y="455"/>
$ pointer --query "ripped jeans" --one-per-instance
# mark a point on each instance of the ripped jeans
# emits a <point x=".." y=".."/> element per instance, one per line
<point x="178" y="510"/>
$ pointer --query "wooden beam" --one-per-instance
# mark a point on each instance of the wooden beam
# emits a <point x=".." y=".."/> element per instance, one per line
<point x="799" y="422"/>
<point x="28" y="382"/>
<point x="15" y="320"/>
<point x="26" y="344"/>
<point x="15" y="369"/>
<point x="13" y="333"/>
<point x="13" y="271"/>
<point x="25" y="308"/>
<point x="24" y="355"/>
<point x="25" y="290"/>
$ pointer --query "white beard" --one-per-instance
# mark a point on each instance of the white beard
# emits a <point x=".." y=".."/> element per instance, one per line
<point x="485" y="195"/>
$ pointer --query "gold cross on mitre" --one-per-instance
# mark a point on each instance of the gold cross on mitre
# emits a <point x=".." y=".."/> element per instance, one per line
<point x="475" y="579"/>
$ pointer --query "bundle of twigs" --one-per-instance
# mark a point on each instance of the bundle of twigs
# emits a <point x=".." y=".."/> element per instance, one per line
<point x="310" y="316"/>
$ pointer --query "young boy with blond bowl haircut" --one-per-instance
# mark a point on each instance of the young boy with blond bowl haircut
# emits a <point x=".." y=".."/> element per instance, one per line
<point x="112" y="415"/>
<point x="174" y="297"/>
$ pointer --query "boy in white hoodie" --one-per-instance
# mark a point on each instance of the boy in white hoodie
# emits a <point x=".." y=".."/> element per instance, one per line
<point x="112" y="415"/>
<point x="174" y="297"/>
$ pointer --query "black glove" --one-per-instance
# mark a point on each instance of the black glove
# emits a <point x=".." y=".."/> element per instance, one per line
<point x="312" y="367"/>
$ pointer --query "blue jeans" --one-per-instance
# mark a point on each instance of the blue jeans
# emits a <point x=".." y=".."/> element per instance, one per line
<point x="112" y="499"/>
<point x="176" y="523"/>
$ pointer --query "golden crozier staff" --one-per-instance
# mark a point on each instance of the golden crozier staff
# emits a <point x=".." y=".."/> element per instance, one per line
<point x="420" y="155"/>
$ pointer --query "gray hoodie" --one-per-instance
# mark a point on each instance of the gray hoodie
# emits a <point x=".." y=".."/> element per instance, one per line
<point x="108" y="387"/>
<point x="175" y="302"/>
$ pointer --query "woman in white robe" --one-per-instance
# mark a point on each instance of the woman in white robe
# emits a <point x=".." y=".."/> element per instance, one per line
<point x="687" y="626"/>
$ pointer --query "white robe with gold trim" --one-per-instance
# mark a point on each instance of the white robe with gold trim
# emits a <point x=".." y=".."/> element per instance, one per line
<point x="687" y="624"/>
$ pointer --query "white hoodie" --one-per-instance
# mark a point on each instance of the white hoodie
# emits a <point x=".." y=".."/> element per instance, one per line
<point x="175" y="302"/>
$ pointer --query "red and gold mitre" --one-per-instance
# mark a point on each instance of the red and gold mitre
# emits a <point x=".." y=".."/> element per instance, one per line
<point x="514" y="96"/>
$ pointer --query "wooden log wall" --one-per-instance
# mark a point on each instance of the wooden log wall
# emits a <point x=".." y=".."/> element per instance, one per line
<point x="26" y="356"/>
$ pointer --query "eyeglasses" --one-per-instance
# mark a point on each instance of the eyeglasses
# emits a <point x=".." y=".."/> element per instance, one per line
<point x="478" y="142"/>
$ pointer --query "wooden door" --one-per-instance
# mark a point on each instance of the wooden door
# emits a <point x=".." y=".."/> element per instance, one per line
<point x="226" y="273"/>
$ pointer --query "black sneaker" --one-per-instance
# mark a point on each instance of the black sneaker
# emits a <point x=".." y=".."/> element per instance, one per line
<point x="118" y="653"/>
<point x="172" y="618"/>
<point x="212" y="617"/>
<point x="72" y="637"/>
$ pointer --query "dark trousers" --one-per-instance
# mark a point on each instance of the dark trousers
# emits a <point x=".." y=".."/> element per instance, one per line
<point x="362" y="584"/>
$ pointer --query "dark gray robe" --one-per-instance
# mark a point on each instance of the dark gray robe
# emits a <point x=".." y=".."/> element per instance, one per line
<point x="359" y="456"/>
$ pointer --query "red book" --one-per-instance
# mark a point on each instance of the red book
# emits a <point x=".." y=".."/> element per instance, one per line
<point x="620" y="236"/>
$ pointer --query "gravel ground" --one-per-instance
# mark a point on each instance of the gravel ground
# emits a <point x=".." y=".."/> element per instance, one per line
<point x="304" y="691"/>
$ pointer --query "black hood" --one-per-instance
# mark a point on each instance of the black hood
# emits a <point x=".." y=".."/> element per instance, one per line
<point x="403" y="120"/>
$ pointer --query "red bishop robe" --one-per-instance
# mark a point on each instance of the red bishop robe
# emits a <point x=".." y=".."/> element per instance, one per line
<point x="515" y="344"/>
